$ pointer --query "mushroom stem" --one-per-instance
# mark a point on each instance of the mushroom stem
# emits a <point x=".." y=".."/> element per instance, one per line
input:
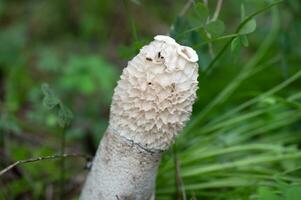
<point x="121" y="170"/>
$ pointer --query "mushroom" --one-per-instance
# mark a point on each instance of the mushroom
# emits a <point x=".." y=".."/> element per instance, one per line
<point x="151" y="104"/>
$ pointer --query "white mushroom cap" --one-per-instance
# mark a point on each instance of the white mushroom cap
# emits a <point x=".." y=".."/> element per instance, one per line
<point x="188" y="53"/>
<point x="164" y="38"/>
<point x="154" y="97"/>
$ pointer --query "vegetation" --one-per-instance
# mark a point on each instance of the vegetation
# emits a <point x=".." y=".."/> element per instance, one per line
<point x="59" y="63"/>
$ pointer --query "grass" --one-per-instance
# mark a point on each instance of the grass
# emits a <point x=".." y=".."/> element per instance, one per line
<point x="246" y="147"/>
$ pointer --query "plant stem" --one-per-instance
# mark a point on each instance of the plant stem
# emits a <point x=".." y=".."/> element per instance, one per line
<point x="222" y="51"/>
<point x="180" y="189"/>
<point x="131" y="21"/>
<point x="62" y="163"/>
<point x="217" y="10"/>
<point x="186" y="8"/>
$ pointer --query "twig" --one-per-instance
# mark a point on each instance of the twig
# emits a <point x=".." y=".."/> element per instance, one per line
<point x="215" y="16"/>
<point x="217" y="10"/>
<point x="49" y="192"/>
<point x="131" y="20"/>
<point x="210" y="48"/>
<point x="87" y="157"/>
<point x="179" y="181"/>
<point x="62" y="163"/>
<point x="186" y="8"/>
<point x="193" y="196"/>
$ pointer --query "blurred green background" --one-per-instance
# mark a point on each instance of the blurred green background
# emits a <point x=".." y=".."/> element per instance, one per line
<point x="244" y="139"/>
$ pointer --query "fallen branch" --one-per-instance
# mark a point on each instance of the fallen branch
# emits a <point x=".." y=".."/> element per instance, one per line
<point x="30" y="160"/>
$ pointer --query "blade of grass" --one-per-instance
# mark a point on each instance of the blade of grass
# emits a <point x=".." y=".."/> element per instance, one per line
<point x="254" y="160"/>
<point x="286" y="120"/>
<point x="229" y="182"/>
<point x="198" y="154"/>
<point x="254" y="100"/>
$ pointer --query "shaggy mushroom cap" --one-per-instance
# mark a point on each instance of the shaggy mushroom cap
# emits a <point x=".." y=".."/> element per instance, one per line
<point x="154" y="96"/>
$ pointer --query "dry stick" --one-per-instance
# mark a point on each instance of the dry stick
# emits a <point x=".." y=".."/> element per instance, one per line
<point x="215" y="16"/>
<point x="3" y="194"/>
<point x="186" y="8"/>
<point x="62" y="163"/>
<point x="179" y="181"/>
<point x="30" y="160"/>
<point x="217" y="10"/>
<point x="183" y="12"/>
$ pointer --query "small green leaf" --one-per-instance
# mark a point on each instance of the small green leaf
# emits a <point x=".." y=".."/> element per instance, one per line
<point x="216" y="28"/>
<point x="202" y="32"/>
<point x="8" y="123"/>
<point x="50" y="99"/>
<point x="64" y="116"/>
<point x="244" y="40"/>
<point x="51" y="120"/>
<point x="248" y="27"/>
<point x="50" y="102"/>
<point x="235" y="45"/>
<point x="202" y="12"/>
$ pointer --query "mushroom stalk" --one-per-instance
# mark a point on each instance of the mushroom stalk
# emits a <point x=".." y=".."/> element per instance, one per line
<point x="151" y="104"/>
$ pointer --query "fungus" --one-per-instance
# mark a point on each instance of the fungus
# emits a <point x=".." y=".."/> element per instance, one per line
<point x="144" y="121"/>
<point x="188" y="53"/>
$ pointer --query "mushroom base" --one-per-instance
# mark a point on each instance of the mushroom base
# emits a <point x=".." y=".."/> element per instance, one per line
<point x="121" y="170"/>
